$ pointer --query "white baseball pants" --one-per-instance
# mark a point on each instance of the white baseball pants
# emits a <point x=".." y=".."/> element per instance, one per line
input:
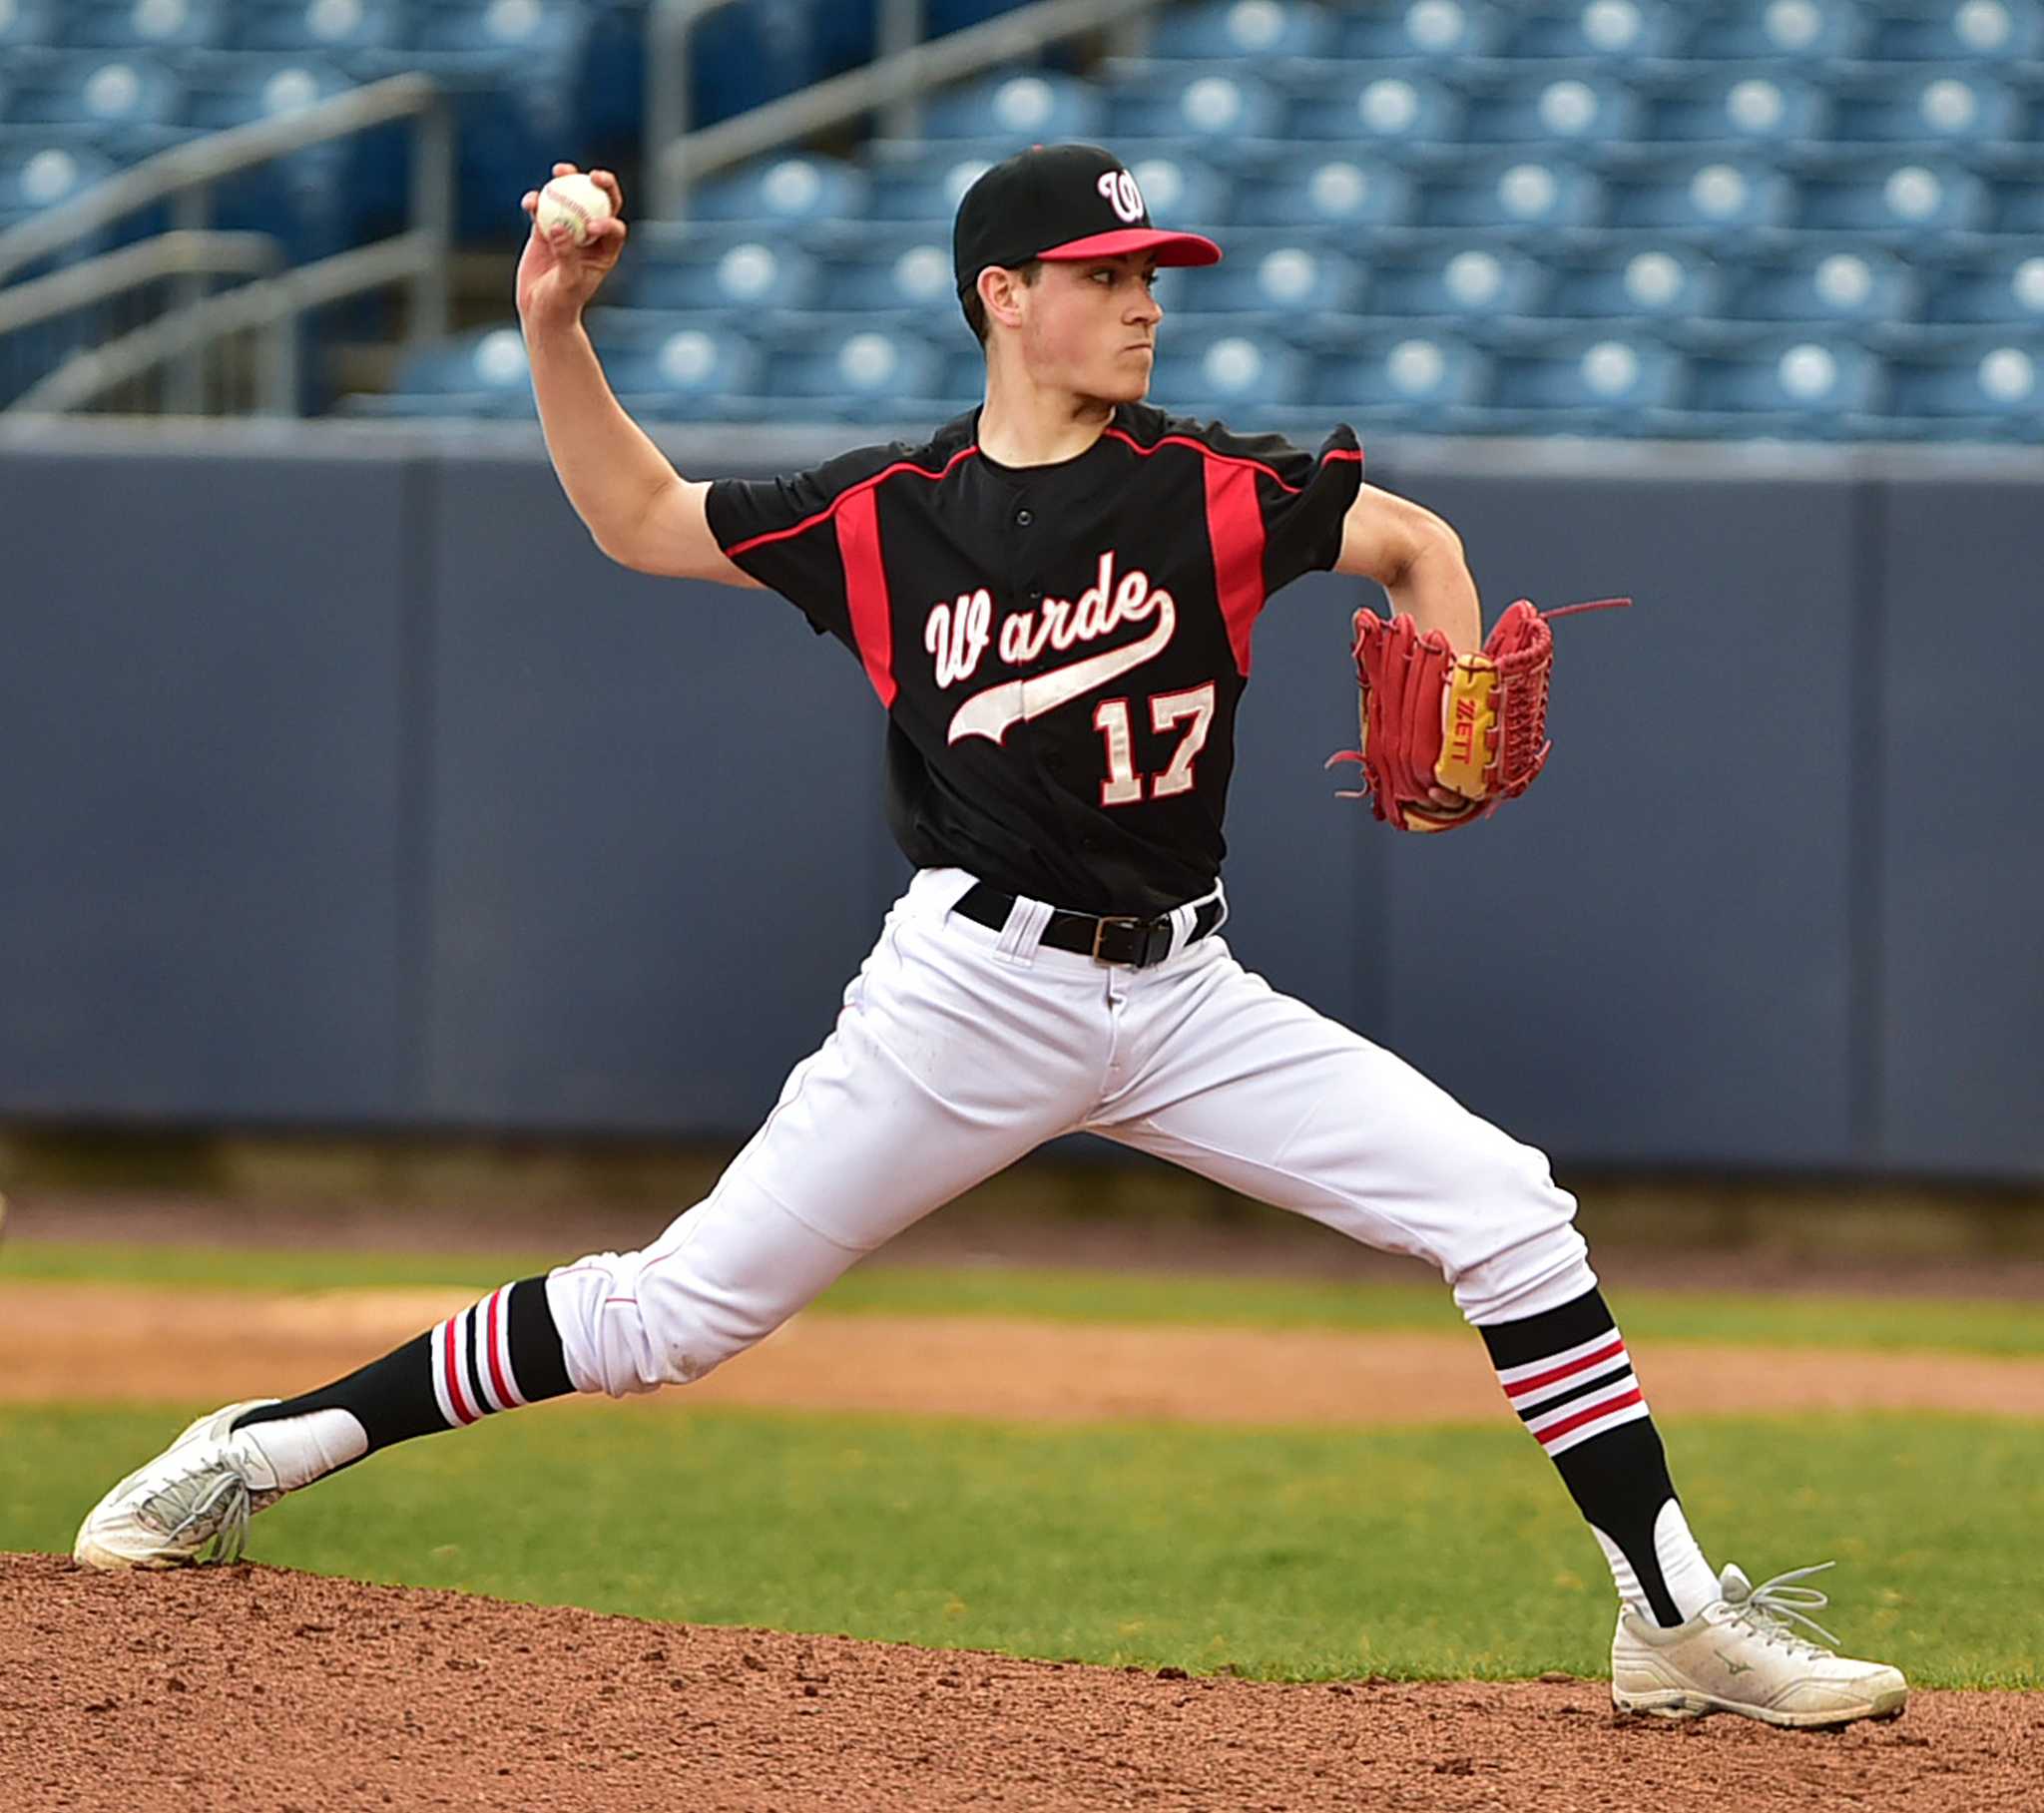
<point x="960" y="1049"/>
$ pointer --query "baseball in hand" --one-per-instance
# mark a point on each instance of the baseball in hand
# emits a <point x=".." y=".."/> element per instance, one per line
<point x="573" y="203"/>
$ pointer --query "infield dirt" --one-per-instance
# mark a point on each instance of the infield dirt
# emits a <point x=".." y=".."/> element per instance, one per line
<point x="251" y="1686"/>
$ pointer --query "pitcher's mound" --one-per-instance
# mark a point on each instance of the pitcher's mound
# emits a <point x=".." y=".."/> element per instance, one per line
<point x="253" y="1686"/>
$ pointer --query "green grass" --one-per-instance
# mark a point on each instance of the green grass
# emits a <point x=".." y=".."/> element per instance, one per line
<point x="1282" y="1554"/>
<point x="2005" y="1328"/>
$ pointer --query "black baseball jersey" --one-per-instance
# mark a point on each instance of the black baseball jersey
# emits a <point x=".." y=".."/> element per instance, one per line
<point x="1060" y="649"/>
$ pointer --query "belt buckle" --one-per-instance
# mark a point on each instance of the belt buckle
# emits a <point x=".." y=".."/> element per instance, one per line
<point x="1099" y="927"/>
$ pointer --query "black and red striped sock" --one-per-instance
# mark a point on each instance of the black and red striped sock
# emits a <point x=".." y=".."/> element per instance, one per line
<point x="497" y="1354"/>
<point x="1568" y="1375"/>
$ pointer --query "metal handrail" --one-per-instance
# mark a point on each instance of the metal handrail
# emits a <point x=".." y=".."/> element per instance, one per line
<point x="246" y="255"/>
<point x="265" y="304"/>
<point x="186" y="174"/>
<point x="680" y="157"/>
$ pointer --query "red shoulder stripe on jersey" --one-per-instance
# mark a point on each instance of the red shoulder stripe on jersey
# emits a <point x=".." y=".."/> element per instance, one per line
<point x="1235" y="530"/>
<point x="1227" y="459"/>
<point x="836" y="502"/>
<point x="865" y="586"/>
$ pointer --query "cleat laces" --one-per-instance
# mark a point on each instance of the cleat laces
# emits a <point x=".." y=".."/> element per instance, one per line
<point x="207" y="1505"/>
<point x="1765" y="1610"/>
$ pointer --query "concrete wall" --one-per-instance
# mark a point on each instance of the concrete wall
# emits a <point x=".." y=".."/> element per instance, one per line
<point x="342" y="783"/>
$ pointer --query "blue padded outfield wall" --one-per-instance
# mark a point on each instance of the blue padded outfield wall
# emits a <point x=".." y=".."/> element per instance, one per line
<point x="345" y="785"/>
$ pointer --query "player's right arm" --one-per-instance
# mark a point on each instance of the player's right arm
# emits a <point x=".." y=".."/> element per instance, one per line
<point x="638" y="509"/>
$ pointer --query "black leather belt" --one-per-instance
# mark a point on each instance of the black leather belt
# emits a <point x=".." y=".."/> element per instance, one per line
<point x="1139" y="943"/>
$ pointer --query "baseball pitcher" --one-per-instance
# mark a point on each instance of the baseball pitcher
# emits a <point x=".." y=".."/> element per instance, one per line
<point x="1054" y="601"/>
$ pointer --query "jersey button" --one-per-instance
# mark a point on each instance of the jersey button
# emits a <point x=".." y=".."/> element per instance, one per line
<point x="1024" y="518"/>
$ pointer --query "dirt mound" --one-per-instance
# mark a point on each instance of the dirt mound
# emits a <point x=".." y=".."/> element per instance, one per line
<point x="253" y="1686"/>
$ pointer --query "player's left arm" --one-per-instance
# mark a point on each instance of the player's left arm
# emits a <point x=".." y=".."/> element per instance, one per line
<point x="1418" y="560"/>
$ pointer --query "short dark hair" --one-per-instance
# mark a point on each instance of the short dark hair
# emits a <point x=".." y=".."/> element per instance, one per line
<point x="975" y="309"/>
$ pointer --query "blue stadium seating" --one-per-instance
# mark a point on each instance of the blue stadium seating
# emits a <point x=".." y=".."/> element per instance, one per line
<point x="741" y="278"/>
<point x="1986" y="387"/>
<point x="1274" y="272"/>
<point x="794" y="191"/>
<point x="926" y="184"/>
<point x="1445" y="30"/>
<point x="698" y="368"/>
<point x="1180" y="188"/>
<point x="1589" y="381"/>
<point x="310" y="197"/>
<point x="478" y="374"/>
<point x="1986" y="31"/>
<point x="1701" y="196"/>
<point x="1255" y="29"/>
<point x="28" y="29"/>
<point x="903" y="272"/>
<point x="1843" y="284"/>
<point x="1037" y="108"/>
<point x="1521" y="196"/>
<point x="1939" y="105"/>
<point x="1467" y="281"/>
<point x="127" y="104"/>
<point x="1633" y="280"/>
<point x="1376" y="107"/>
<point x="42" y="170"/>
<point x="1616" y="30"/>
<point x="1901" y="199"/>
<point x="1742" y="104"/>
<point x="1206" y="370"/>
<point x="1216" y="106"/>
<point x="1561" y="107"/>
<point x="1797" y="386"/>
<point x="2015" y="192"/>
<point x="1811" y="30"/>
<point x="331" y="29"/>
<point x="2006" y="287"/>
<point x="1430" y="380"/>
<point x="877" y="372"/>
<point x="1324" y="191"/>
<point x="160" y="27"/>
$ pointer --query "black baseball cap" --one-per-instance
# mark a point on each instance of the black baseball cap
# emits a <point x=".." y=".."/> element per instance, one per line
<point x="1064" y="202"/>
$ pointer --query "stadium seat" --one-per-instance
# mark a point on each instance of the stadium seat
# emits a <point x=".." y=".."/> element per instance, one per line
<point x="1987" y="31"/>
<point x="1937" y="106"/>
<point x="792" y="191"/>
<point x="486" y="364"/>
<point x="1524" y="196"/>
<point x="1532" y="106"/>
<point x="162" y="27"/>
<point x="1267" y="273"/>
<point x="1634" y="280"/>
<point x="1811" y="30"/>
<point x="308" y="198"/>
<point x="1790" y="385"/>
<point x="1036" y="107"/>
<point x="1421" y="378"/>
<point x="1862" y="284"/>
<point x="1468" y="284"/>
<point x="1377" y="108"/>
<point x="1216" y="372"/>
<point x="1599" y="379"/>
<point x="1449" y="30"/>
<point x="40" y="172"/>
<point x="1898" y="198"/>
<point x="127" y="104"/>
<point x="903" y="272"/>
<point x="1992" y="385"/>
<point x="1997" y="287"/>
<point x="1328" y="192"/>
<point x="1615" y="30"/>
<point x="28" y="28"/>
<point x="1699" y="195"/>
<point x="331" y="29"/>
<point x="1204" y="106"/>
<point x="857" y="366"/>
<point x="1747" y="104"/>
<point x="747" y="277"/>
<point x="916" y="184"/>
<point x="1251" y="29"/>
<point x="702" y="364"/>
<point x="2015" y="195"/>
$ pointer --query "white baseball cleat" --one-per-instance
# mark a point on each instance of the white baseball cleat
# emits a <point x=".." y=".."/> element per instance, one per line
<point x="1738" y="1654"/>
<point x="199" y="1492"/>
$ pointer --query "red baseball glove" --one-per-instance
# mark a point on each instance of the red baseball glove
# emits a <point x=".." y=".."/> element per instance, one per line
<point x="1474" y="725"/>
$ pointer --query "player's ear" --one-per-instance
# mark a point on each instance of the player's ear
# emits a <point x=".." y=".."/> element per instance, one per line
<point x="1000" y="292"/>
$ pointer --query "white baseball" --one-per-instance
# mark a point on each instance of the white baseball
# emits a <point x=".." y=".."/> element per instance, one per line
<point x="573" y="203"/>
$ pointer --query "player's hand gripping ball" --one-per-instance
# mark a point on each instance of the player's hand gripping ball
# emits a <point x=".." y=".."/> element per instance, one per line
<point x="1474" y="725"/>
<point x="574" y="202"/>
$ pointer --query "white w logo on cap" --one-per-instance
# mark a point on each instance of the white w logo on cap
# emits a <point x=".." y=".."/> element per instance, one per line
<point x="1122" y="195"/>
